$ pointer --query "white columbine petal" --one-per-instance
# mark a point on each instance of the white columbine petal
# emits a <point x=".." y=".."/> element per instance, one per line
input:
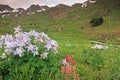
<point x="30" y="47"/>
<point x="44" y="55"/>
<point x="44" y="36"/>
<point x="64" y="62"/>
<point x="52" y="44"/>
<point x="8" y="50"/>
<point x="3" y="56"/>
<point x="17" y="29"/>
<point x="35" y="53"/>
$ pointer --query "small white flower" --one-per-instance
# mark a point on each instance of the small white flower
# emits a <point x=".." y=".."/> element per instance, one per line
<point x="3" y="56"/>
<point x="44" y="55"/>
<point x="35" y="53"/>
<point x="2" y="37"/>
<point x="55" y="49"/>
<point x="17" y="29"/>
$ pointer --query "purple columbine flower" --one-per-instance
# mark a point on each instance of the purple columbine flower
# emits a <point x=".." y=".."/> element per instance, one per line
<point x="8" y="44"/>
<point x="44" y="36"/>
<point x="19" y="51"/>
<point x="8" y="38"/>
<point x="64" y="62"/>
<point x="30" y="47"/>
<point x="34" y="33"/>
<point x="8" y="50"/>
<point x="52" y="44"/>
<point x="1" y="43"/>
<point x="35" y="51"/>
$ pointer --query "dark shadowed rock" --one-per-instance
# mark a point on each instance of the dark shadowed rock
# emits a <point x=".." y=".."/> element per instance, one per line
<point x="21" y="10"/>
<point x="5" y="7"/>
<point x="33" y="8"/>
<point x="36" y="8"/>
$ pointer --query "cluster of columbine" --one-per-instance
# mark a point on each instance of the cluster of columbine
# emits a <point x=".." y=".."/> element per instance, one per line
<point x="21" y="41"/>
<point x="68" y="68"/>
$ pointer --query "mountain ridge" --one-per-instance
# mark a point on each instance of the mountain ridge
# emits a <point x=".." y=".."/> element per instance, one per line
<point x="57" y="11"/>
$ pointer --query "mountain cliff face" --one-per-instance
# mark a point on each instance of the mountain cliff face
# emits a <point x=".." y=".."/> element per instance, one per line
<point x="36" y="8"/>
<point x="6" y="11"/>
<point x="77" y="5"/>
<point x="5" y="7"/>
<point x="60" y="10"/>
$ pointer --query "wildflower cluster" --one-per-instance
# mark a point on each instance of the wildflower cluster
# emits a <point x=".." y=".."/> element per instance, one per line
<point x="21" y="42"/>
<point x="68" y="68"/>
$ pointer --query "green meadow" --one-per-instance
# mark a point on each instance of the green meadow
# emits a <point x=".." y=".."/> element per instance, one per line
<point x="74" y="37"/>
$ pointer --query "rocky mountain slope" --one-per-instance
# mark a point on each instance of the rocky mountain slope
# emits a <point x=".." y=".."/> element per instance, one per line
<point x="7" y="11"/>
<point x="62" y="10"/>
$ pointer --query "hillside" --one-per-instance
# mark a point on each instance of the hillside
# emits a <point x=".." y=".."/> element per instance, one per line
<point x="109" y="10"/>
<point x="63" y="18"/>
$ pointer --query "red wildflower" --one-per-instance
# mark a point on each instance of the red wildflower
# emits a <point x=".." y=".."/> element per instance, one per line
<point x="63" y="69"/>
<point x="68" y="58"/>
<point x="69" y="70"/>
<point x="74" y="63"/>
<point x="76" y="76"/>
<point x="74" y="69"/>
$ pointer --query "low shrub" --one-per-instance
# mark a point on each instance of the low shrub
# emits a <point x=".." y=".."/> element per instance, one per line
<point x="96" y="21"/>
